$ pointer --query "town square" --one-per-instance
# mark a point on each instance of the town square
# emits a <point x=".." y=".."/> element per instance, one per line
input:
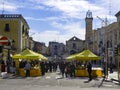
<point x="59" y="45"/>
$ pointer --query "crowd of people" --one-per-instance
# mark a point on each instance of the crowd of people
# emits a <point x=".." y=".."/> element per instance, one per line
<point x="8" y="67"/>
<point x="67" y="69"/>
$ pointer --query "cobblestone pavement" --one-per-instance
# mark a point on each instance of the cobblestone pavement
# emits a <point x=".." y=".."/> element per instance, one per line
<point x="54" y="80"/>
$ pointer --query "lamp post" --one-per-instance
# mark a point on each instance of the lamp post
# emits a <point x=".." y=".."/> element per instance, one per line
<point x="9" y="60"/>
<point x="107" y="59"/>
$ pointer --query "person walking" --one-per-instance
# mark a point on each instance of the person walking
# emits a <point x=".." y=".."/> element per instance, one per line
<point x="111" y="67"/>
<point x="72" y="70"/>
<point x="63" y="65"/>
<point x="3" y="67"/>
<point x="27" y="68"/>
<point x="89" y="69"/>
<point x="42" y="65"/>
<point x="66" y="70"/>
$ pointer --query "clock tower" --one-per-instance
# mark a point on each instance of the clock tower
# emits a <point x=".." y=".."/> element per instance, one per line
<point x="88" y="36"/>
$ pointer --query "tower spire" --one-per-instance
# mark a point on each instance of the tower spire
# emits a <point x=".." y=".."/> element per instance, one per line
<point x="88" y="36"/>
<point x="89" y="14"/>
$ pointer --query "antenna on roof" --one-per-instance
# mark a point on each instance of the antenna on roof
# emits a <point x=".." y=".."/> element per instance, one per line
<point x="3" y="8"/>
<point x="109" y="9"/>
<point x="104" y="22"/>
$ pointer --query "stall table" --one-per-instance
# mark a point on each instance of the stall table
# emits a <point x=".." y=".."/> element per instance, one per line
<point x="33" y="72"/>
<point x="96" y="72"/>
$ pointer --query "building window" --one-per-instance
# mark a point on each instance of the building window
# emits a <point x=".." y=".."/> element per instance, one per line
<point x="74" y="45"/>
<point x="74" y="38"/>
<point x="23" y="29"/>
<point x="55" y="48"/>
<point x="7" y="28"/>
<point x="115" y="37"/>
<point x="119" y="35"/>
<point x="26" y="32"/>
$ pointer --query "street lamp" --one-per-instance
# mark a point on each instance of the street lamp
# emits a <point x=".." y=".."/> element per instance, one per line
<point x="106" y="61"/>
<point x="9" y="60"/>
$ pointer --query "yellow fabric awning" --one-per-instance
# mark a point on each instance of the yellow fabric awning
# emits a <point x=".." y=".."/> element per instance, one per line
<point x="71" y="57"/>
<point x="87" y="55"/>
<point x="84" y="55"/>
<point x="29" y="54"/>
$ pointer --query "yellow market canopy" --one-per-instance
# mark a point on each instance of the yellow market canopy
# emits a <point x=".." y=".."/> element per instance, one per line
<point x="71" y="57"/>
<point x="87" y="55"/>
<point x="28" y="54"/>
<point x="84" y="55"/>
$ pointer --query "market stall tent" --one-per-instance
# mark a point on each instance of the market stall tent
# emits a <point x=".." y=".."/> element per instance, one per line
<point x="29" y="54"/>
<point x="71" y="57"/>
<point x="87" y="55"/>
<point x="84" y="55"/>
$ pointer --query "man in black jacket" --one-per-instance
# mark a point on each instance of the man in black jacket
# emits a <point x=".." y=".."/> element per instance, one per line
<point x="89" y="69"/>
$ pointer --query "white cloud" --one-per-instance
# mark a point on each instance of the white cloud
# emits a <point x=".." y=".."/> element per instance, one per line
<point x="7" y="6"/>
<point x="46" y="36"/>
<point x="42" y="19"/>
<point x="67" y="31"/>
<point x="78" y="8"/>
<point x="74" y="28"/>
<point x="71" y="8"/>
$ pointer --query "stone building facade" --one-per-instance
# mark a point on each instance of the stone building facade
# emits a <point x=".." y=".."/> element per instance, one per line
<point x="104" y="40"/>
<point x="56" y="51"/>
<point x="15" y="27"/>
<point x="74" y="45"/>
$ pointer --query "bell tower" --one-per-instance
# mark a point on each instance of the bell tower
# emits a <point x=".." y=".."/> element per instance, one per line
<point x="88" y="36"/>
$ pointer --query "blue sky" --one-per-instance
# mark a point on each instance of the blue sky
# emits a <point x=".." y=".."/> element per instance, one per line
<point x="59" y="20"/>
